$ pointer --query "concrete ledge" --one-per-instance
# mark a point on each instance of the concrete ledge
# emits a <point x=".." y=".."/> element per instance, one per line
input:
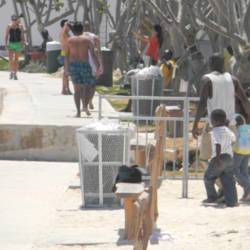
<point x="2" y="94"/>
<point x="37" y="142"/>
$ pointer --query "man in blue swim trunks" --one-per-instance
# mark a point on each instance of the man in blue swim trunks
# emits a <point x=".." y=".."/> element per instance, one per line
<point x="78" y="67"/>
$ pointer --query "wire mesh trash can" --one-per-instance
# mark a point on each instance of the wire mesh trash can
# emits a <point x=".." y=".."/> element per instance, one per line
<point x="146" y="85"/>
<point x="103" y="148"/>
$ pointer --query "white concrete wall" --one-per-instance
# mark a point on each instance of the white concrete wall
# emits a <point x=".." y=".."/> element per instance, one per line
<point x="7" y="10"/>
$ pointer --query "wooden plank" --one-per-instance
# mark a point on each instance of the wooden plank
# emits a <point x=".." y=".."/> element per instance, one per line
<point x="129" y="190"/>
<point x="143" y="225"/>
<point x="129" y="218"/>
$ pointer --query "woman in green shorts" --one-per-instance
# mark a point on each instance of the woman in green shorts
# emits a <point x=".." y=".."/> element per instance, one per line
<point x="14" y="40"/>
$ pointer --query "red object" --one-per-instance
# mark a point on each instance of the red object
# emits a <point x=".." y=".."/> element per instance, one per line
<point x="153" y="48"/>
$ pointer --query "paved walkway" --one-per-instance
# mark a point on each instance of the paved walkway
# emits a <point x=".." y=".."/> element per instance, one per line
<point x="29" y="195"/>
<point x="36" y="99"/>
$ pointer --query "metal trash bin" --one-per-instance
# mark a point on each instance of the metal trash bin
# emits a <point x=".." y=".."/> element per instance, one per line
<point x="53" y="50"/>
<point x="146" y="85"/>
<point x="106" y="79"/>
<point x="103" y="148"/>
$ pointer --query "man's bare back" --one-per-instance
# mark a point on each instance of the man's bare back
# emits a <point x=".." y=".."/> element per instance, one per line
<point x="78" y="47"/>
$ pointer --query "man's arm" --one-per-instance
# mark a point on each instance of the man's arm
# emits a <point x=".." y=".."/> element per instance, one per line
<point x="218" y="153"/>
<point x="140" y="37"/>
<point x="202" y="106"/>
<point x="66" y="58"/>
<point x="64" y="36"/>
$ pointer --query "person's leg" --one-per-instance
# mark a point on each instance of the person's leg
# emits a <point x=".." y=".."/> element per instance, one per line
<point x="228" y="181"/>
<point x="11" y="59"/>
<point x="15" y="64"/>
<point x="86" y="98"/>
<point x="77" y="98"/>
<point x="92" y="93"/>
<point x="210" y="176"/>
<point x="241" y="172"/>
<point x="65" y="83"/>
<point x="229" y="189"/>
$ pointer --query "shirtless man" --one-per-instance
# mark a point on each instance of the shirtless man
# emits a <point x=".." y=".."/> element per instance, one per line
<point x="64" y="36"/>
<point x="96" y="41"/>
<point x="78" y="67"/>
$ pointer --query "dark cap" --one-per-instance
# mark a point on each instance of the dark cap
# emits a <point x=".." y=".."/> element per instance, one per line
<point x="14" y="17"/>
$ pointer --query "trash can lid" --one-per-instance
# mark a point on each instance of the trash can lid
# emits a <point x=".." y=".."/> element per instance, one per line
<point x="104" y="125"/>
<point x="52" y="46"/>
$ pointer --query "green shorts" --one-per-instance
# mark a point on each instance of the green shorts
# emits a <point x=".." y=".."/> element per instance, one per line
<point x="16" y="47"/>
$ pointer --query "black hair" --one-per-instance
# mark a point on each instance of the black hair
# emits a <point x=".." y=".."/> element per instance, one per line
<point x="219" y="116"/>
<point x="77" y="28"/>
<point x="14" y="17"/>
<point x="45" y="34"/>
<point x="63" y="22"/>
<point x="230" y="50"/>
<point x="159" y="35"/>
<point x="167" y="55"/>
<point x="216" y="63"/>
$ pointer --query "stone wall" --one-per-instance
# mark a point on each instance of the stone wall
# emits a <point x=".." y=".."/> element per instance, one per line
<point x="42" y="143"/>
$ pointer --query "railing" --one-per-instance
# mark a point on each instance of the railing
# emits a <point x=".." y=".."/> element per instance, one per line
<point x="145" y="123"/>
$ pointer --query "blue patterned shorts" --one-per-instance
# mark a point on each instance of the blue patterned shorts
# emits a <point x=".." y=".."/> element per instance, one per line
<point x="81" y="73"/>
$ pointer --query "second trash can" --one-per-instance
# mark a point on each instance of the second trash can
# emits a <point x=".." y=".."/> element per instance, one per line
<point x="146" y="84"/>
<point x="53" y="50"/>
<point x="106" y="79"/>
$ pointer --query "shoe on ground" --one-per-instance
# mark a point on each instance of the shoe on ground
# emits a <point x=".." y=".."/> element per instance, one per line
<point x="14" y="76"/>
<point x="234" y="205"/>
<point x="11" y="75"/>
<point x="221" y="199"/>
<point x="209" y="201"/>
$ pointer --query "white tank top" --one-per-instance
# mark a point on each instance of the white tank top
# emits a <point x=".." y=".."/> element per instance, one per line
<point x="223" y="95"/>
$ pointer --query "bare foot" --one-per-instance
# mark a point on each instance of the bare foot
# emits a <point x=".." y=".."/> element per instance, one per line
<point x="86" y="111"/>
<point x="91" y="106"/>
<point x="78" y="114"/>
<point x="68" y="92"/>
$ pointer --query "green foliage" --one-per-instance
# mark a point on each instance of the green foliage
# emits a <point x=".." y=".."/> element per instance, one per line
<point x="102" y="6"/>
<point x="58" y="4"/>
<point x="4" y="65"/>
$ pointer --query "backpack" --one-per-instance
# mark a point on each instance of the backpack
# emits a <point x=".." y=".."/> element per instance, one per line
<point x="128" y="175"/>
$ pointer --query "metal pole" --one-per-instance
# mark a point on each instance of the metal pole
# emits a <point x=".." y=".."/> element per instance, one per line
<point x="81" y="167"/>
<point x="100" y="169"/>
<point x="100" y="108"/>
<point x="185" y="149"/>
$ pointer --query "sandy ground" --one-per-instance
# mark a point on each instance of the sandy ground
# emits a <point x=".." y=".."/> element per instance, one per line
<point x="182" y="224"/>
